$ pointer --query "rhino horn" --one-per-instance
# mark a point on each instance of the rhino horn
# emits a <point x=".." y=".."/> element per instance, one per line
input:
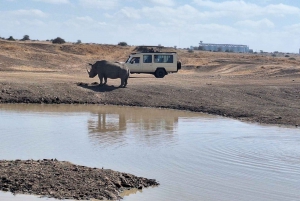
<point x="87" y="71"/>
<point x="90" y="64"/>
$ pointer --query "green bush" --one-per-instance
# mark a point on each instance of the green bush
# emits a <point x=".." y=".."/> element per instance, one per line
<point x="58" y="40"/>
<point x="122" y="44"/>
<point x="11" y="38"/>
<point x="26" y="37"/>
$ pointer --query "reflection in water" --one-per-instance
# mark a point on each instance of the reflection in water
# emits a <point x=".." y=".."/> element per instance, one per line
<point x="109" y="126"/>
<point x="108" y="121"/>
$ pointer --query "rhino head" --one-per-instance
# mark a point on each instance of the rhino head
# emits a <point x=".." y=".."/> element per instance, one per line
<point x="93" y="72"/>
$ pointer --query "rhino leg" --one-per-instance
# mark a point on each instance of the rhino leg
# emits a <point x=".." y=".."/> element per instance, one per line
<point x="105" y="80"/>
<point x="122" y="82"/>
<point x="101" y="79"/>
<point x="125" y="82"/>
<point x="126" y="78"/>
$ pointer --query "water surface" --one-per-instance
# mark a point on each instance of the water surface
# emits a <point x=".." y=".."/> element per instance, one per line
<point x="193" y="156"/>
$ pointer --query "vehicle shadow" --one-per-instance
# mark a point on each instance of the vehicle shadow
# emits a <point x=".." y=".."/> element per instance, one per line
<point x="97" y="87"/>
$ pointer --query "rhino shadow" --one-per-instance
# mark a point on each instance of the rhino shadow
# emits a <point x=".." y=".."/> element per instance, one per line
<point x="97" y="87"/>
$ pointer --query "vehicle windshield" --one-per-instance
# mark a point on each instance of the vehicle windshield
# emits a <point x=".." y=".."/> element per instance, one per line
<point x="129" y="58"/>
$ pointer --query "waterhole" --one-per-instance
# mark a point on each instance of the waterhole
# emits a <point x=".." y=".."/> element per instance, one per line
<point x="193" y="156"/>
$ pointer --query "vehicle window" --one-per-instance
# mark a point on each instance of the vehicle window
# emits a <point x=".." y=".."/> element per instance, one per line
<point x="135" y="60"/>
<point x="127" y="60"/>
<point x="147" y="58"/>
<point x="163" y="58"/>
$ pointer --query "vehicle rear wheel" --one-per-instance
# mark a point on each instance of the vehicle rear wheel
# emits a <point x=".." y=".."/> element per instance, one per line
<point x="160" y="73"/>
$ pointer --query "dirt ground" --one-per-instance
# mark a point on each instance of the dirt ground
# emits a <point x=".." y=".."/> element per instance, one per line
<point x="260" y="88"/>
<point x="63" y="180"/>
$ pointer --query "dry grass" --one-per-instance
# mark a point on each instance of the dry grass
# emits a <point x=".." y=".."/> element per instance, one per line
<point x="36" y="56"/>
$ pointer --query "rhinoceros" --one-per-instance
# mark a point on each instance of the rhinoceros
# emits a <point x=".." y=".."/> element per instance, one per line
<point x="105" y="69"/>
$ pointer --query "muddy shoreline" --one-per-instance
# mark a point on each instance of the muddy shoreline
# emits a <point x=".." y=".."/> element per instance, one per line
<point x="252" y="103"/>
<point x="64" y="180"/>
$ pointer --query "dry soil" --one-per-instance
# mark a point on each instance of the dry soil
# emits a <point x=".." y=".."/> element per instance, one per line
<point x="260" y="88"/>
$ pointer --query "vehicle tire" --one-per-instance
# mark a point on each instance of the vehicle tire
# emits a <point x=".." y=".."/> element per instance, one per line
<point x="160" y="73"/>
<point x="178" y="65"/>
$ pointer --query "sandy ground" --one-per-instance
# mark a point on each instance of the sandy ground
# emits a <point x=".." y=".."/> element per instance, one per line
<point x="250" y="87"/>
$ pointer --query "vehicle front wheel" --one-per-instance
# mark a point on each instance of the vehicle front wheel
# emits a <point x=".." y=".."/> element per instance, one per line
<point x="160" y="73"/>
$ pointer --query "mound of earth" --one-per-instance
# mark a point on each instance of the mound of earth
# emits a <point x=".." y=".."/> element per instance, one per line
<point x="64" y="180"/>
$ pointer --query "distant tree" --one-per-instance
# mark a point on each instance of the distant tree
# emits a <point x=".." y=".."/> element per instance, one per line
<point x="122" y="44"/>
<point x="78" y="42"/>
<point x="26" y="37"/>
<point x="58" y="40"/>
<point x="11" y="38"/>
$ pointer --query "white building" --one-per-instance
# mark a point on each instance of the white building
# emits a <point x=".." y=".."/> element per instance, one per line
<point x="223" y="47"/>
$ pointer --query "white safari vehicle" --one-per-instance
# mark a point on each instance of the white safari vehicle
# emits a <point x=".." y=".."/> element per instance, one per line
<point x="157" y="63"/>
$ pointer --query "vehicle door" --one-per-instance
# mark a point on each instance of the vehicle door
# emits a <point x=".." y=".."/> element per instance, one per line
<point x="134" y="64"/>
<point x="147" y="63"/>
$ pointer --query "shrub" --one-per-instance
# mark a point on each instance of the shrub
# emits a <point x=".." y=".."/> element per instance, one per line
<point x="11" y="38"/>
<point x="78" y="42"/>
<point x="26" y="37"/>
<point x="287" y="55"/>
<point x="58" y="40"/>
<point x="122" y="44"/>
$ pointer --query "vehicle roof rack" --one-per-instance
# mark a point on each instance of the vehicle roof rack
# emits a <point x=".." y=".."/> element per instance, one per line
<point x="152" y="52"/>
<point x="150" y="49"/>
<point x="158" y="46"/>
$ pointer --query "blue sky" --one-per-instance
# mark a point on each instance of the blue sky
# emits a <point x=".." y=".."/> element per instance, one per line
<point x="269" y="25"/>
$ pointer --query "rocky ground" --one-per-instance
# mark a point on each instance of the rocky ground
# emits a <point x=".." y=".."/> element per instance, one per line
<point x="63" y="180"/>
